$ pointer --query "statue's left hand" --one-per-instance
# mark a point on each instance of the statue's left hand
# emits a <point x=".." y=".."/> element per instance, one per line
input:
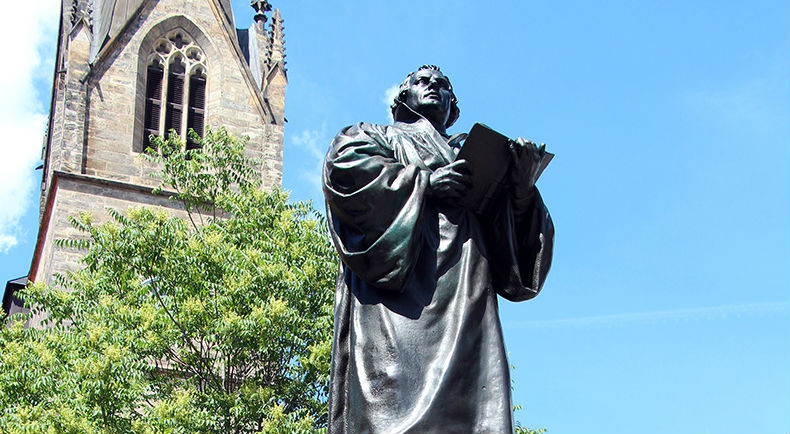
<point x="526" y="161"/>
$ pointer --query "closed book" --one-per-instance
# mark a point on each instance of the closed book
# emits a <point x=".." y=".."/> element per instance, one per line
<point x="490" y="159"/>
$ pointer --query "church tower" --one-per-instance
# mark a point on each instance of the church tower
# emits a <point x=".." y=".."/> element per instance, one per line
<point x="126" y="69"/>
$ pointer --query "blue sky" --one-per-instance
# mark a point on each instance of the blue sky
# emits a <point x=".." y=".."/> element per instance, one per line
<point x="667" y="309"/>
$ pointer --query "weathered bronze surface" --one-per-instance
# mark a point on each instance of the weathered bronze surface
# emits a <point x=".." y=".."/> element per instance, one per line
<point x="418" y="346"/>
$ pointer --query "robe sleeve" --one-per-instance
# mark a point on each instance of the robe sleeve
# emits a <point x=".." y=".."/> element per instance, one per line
<point x="374" y="205"/>
<point x="524" y="240"/>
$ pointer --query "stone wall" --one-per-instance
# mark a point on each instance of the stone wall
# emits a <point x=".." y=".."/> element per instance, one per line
<point x="116" y="91"/>
<point x="96" y="128"/>
<point x="76" y="194"/>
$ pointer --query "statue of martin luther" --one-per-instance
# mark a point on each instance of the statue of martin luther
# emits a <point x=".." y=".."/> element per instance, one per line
<point x="418" y="346"/>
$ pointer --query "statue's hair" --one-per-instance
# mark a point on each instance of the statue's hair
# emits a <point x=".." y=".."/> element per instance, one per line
<point x="400" y="98"/>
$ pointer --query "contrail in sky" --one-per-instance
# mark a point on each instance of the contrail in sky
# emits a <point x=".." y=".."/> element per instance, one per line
<point x="697" y="313"/>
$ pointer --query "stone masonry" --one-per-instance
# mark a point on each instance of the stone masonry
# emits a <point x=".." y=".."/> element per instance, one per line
<point x="92" y="153"/>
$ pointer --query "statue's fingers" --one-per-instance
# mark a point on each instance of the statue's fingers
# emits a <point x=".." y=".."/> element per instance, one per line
<point x="536" y="163"/>
<point x="515" y="147"/>
<point x="458" y="179"/>
<point x="531" y="147"/>
<point x="457" y="163"/>
<point x="463" y="167"/>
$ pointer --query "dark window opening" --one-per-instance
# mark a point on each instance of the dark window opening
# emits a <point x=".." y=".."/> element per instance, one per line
<point x="153" y="103"/>
<point x="175" y="97"/>
<point x="196" y="107"/>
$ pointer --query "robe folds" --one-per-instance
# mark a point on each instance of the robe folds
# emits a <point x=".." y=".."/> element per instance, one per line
<point x="418" y="347"/>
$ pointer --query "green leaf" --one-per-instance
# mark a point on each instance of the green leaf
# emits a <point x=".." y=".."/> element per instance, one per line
<point x="220" y="321"/>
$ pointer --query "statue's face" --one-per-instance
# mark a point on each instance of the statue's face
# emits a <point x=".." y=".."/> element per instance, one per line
<point x="429" y="94"/>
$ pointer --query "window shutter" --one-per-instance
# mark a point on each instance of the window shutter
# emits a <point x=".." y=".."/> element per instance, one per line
<point x="197" y="104"/>
<point x="175" y="98"/>
<point x="153" y="103"/>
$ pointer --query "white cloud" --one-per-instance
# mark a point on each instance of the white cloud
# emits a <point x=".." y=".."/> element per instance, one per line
<point x="389" y="96"/>
<point x="314" y="144"/>
<point x="697" y="313"/>
<point x="29" y="34"/>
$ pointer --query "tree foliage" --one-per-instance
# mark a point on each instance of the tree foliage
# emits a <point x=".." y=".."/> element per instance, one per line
<point x="521" y="429"/>
<point x="217" y="322"/>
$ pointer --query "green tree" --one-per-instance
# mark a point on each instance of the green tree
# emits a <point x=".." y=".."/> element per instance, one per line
<point x="220" y="322"/>
<point x="521" y="429"/>
<point x="524" y="430"/>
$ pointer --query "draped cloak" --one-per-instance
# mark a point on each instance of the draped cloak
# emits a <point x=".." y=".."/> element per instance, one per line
<point x="418" y="346"/>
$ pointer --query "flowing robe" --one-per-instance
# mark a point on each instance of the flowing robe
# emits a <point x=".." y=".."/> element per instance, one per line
<point x="418" y="346"/>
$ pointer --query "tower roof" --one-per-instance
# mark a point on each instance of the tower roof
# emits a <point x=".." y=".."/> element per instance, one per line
<point x="108" y="17"/>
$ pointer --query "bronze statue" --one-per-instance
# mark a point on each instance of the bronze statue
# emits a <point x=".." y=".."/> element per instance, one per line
<point x="418" y="346"/>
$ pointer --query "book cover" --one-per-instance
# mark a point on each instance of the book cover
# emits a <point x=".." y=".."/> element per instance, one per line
<point x="490" y="159"/>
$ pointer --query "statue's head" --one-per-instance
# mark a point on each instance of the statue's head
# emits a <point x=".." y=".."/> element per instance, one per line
<point x="428" y="92"/>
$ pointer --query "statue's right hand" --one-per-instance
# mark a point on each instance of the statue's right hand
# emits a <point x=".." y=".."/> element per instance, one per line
<point x="449" y="183"/>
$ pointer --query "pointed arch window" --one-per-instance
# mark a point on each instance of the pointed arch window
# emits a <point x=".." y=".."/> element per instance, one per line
<point x="175" y="89"/>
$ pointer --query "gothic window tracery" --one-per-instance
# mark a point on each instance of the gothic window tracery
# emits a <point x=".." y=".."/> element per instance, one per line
<point x="175" y="88"/>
